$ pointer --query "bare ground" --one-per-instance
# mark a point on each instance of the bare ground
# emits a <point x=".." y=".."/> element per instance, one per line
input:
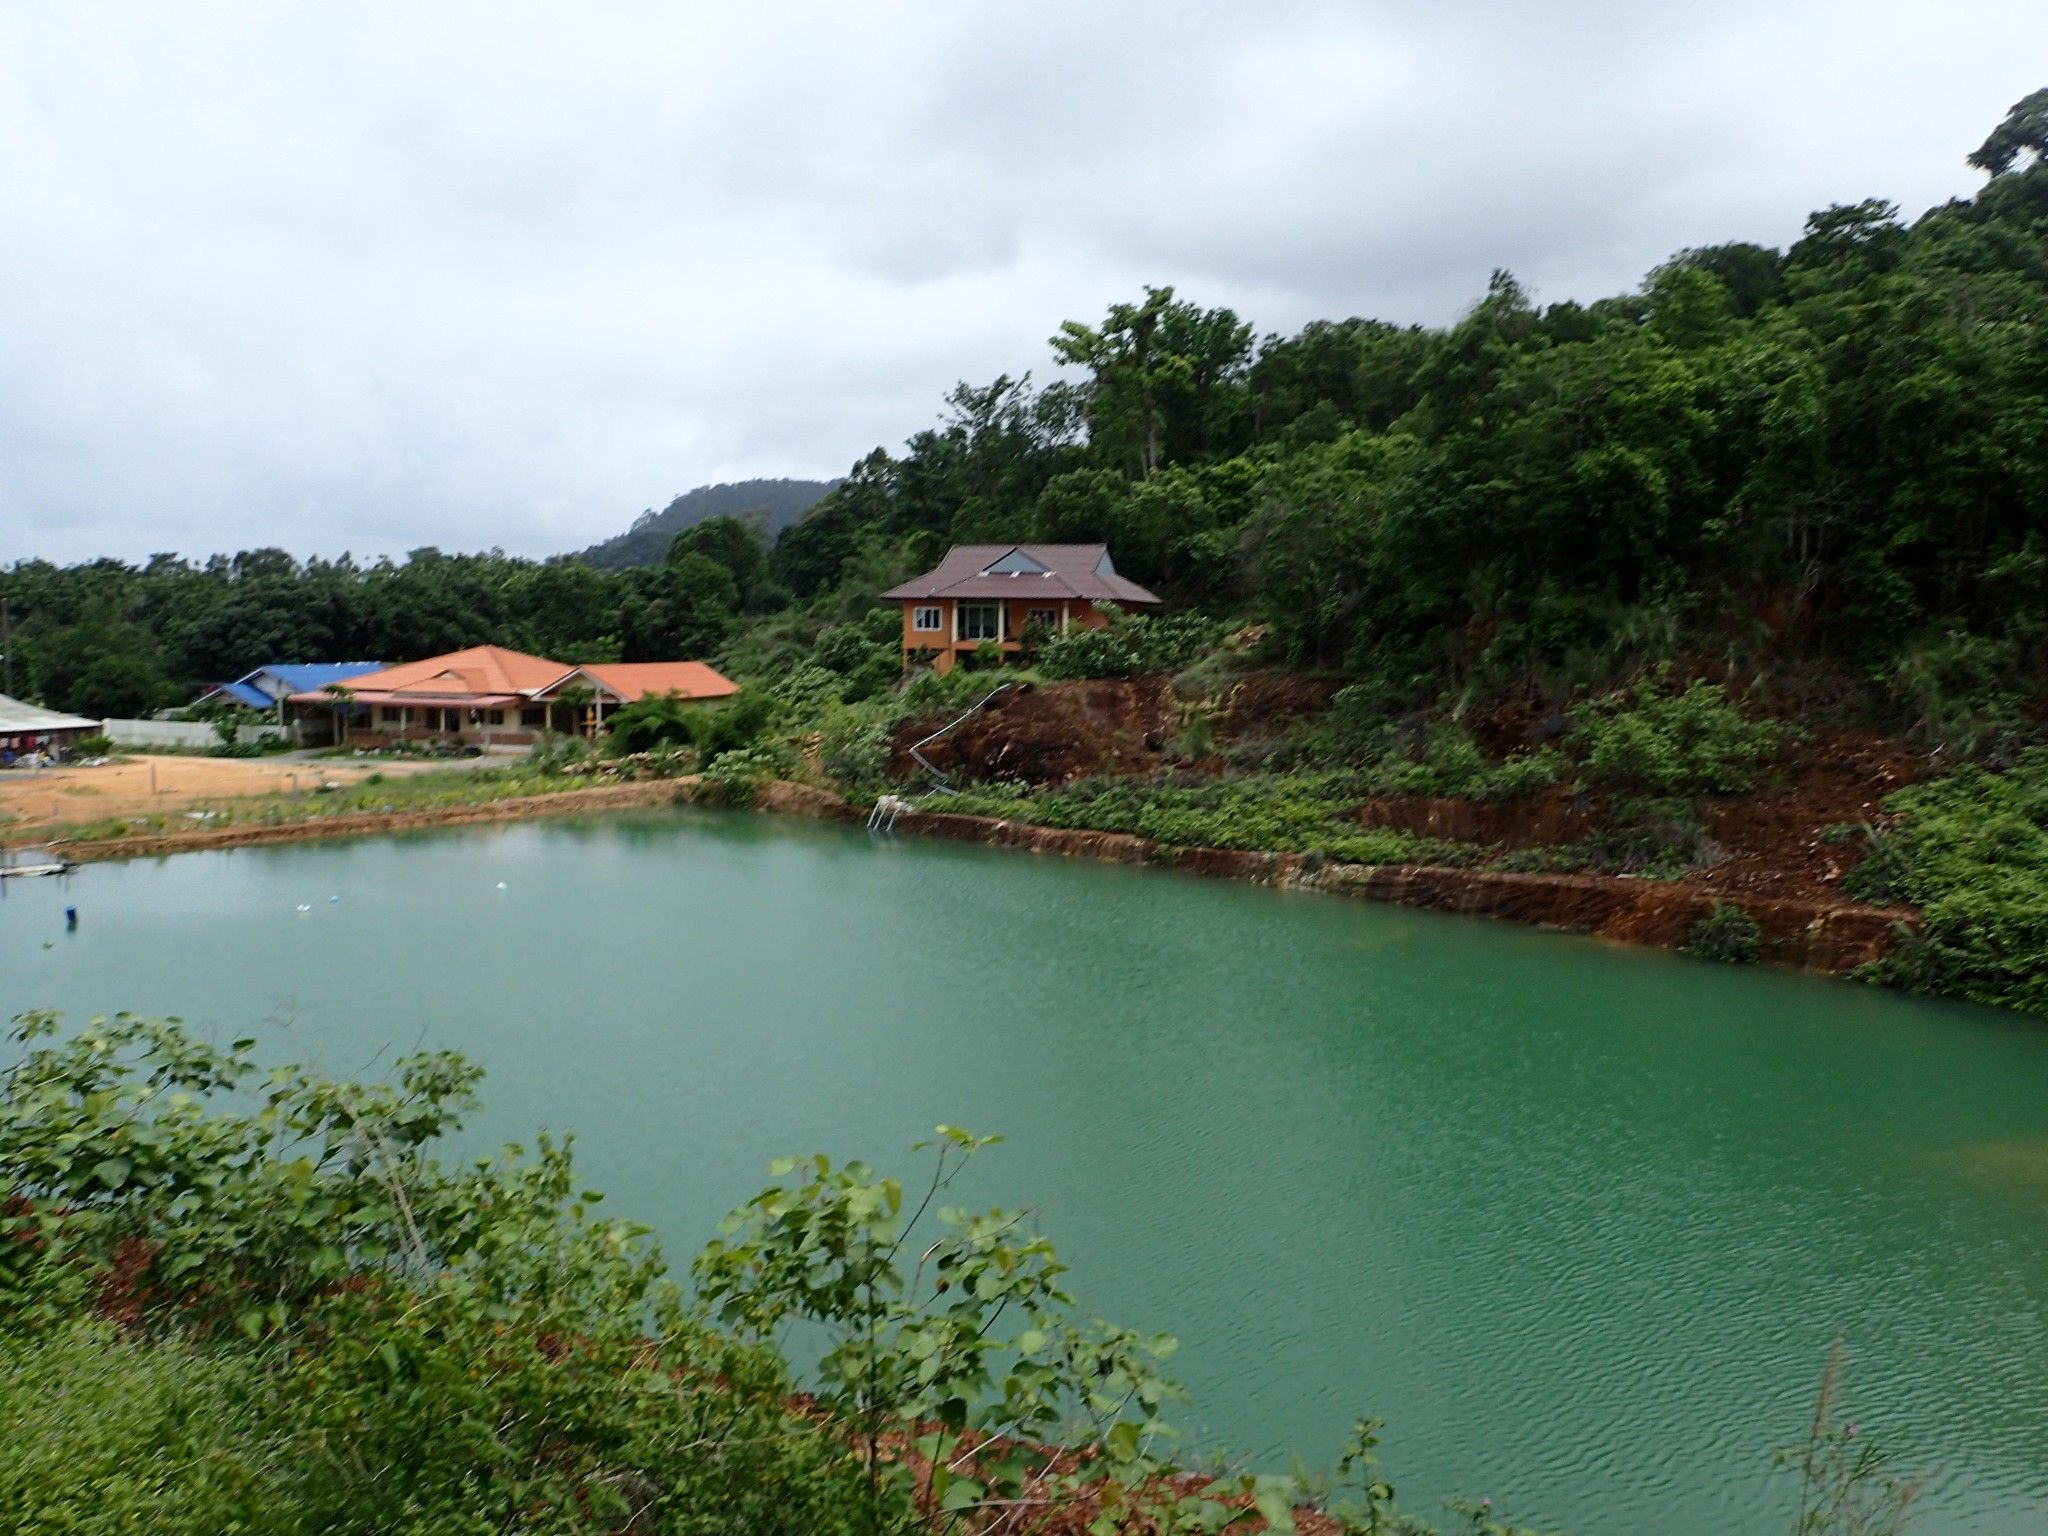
<point x="33" y="803"/>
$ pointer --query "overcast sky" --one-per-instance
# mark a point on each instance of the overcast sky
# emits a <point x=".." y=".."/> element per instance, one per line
<point x="370" y="276"/>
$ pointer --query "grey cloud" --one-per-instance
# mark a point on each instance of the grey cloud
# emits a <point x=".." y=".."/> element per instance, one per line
<point x="345" y="276"/>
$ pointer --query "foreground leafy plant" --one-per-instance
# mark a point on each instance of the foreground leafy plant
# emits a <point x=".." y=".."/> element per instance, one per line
<point x="968" y="1385"/>
<point x="418" y="1347"/>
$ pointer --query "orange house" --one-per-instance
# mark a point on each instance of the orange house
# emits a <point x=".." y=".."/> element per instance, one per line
<point x="993" y="593"/>
<point x="488" y="696"/>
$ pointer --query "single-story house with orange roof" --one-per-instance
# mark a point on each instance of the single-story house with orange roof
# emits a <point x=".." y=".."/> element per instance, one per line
<point x="993" y="593"/>
<point x="488" y="696"/>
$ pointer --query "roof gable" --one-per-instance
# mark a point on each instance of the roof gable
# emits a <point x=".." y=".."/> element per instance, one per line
<point x="242" y="692"/>
<point x="1016" y="562"/>
<point x="482" y="669"/>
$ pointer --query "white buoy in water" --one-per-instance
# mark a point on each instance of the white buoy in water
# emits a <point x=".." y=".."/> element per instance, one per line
<point x="501" y="885"/>
<point x="305" y="906"/>
<point x="334" y="898"/>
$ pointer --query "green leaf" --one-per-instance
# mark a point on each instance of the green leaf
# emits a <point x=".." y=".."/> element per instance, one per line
<point x="964" y="1493"/>
<point x="1123" y="1441"/>
<point x="113" y="1171"/>
<point x="1273" y="1497"/>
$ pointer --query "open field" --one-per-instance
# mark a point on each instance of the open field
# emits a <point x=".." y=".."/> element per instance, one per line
<point x="32" y="803"/>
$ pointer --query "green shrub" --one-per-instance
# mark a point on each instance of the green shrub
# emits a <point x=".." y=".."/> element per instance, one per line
<point x="1451" y="764"/>
<point x="738" y="774"/>
<point x="1689" y="743"/>
<point x="107" y="1433"/>
<point x="1960" y="689"/>
<point x="854" y="751"/>
<point x="1659" y="837"/>
<point x="1132" y="645"/>
<point x="551" y="754"/>
<point x="939" y="696"/>
<point x="95" y="745"/>
<point x="1268" y="813"/>
<point x="327" y="1330"/>
<point x="735" y="725"/>
<point x="652" y="721"/>
<point x="1728" y="933"/>
<point x="1971" y="852"/>
<point x="1417" y="757"/>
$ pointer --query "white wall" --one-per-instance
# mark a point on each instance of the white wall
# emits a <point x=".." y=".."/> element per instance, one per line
<point x="170" y="733"/>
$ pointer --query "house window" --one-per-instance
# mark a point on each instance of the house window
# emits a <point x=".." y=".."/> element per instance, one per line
<point x="494" y="717"/>
<point x="389" y="714"/>
<point x="535" y="718"/>
<point x="925" y="619"/>
<point x="981" y="621"/>
<point x="1042" y="618"/>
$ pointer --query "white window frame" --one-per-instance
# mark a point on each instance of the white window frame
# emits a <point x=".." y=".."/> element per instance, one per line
<point x="960" y="612"/>
<point x="927" y="620"/>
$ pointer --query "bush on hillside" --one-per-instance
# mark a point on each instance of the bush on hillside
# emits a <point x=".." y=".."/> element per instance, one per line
<point x="1727" y="933"/>
<point x="1132" y="645"/>
<point x="1971" y="852"/>
<point x="1690" y="743"/>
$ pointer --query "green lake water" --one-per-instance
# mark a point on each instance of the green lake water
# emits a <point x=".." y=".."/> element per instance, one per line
<point x="1578" y="1221"/>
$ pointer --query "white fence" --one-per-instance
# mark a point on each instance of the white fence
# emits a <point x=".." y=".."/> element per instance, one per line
<point x="186" y="734"/>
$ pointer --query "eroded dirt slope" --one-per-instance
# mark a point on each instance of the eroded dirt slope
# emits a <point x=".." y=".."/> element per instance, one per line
<point x="1767" y="845"/>
<point x="1054" y="733"/>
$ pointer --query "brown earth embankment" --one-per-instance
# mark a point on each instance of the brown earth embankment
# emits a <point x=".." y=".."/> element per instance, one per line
<point x="1833" y="936"/>
<point x="604" y="797"/>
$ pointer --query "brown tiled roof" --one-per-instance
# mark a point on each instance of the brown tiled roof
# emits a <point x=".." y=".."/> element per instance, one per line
<point x="1079" y="571"/>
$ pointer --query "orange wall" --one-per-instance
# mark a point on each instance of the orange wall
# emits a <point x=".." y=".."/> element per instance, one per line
<point x="1074" y="614"/>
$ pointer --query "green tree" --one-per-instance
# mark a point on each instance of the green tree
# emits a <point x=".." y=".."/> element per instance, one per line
<point x="2018" y="142"/>
<point x="1166" y="380"/>
<point x="733" y="544"/>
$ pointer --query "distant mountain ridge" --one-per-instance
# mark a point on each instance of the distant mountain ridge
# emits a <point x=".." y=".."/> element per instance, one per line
<point x="647" y="541"/>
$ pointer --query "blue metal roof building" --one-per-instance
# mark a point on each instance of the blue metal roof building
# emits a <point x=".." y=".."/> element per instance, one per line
<point x="267" y="686"/>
